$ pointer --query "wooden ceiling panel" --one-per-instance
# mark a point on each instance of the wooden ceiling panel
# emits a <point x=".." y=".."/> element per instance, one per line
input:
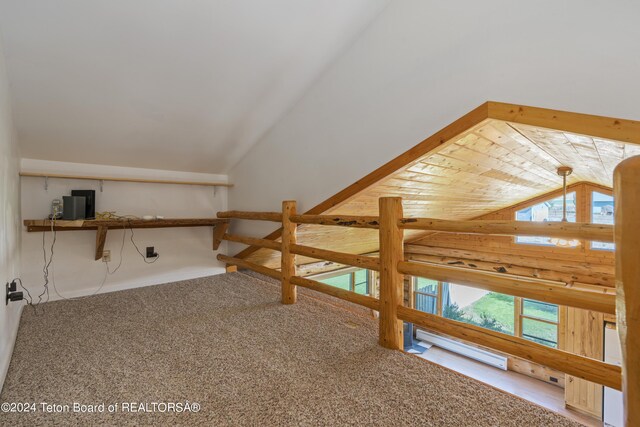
<point x="489" y="166"/>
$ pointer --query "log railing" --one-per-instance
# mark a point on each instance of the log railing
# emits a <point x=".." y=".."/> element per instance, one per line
<point x="392" y="267"/>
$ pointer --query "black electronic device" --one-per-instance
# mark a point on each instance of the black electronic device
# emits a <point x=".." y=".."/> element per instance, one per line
<point x="73" y="207"/>
<point x="90" y="202"/>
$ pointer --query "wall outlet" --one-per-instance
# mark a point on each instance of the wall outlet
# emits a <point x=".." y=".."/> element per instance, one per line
<point x="151" y="252"/>
<point x="106" y="256"/>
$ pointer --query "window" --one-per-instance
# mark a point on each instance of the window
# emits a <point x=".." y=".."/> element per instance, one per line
<point x="478" y="307"/>
<point x="425" y="295"/>
<point x="354" y="281"/>
<point x="536" y="321"/>
<point x="601" y="213"/>
<point x="539" y="322"/>
<point x="549" y="210"/>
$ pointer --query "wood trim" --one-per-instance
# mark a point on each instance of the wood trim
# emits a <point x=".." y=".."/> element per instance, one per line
<point x="428" y="145"/>
<point x="251" y="266"/>
<point x="341" y="221"/>
<point x="391" y="278"/>
<point x="571" y="230"/>
<point x="114" y="179"/>
<point x="257" y="216"/>
<point x="369" y="263"/>
<point x="342" y="294"/>
<point x="585" y="124"/>
<point x="263" y="243"/>
<point x="627" y="213"/>
<point x="572" y="364"/>
<point x="288" y="258"/>
<point x="537" y="289"/>
<point x="218" y="234"/>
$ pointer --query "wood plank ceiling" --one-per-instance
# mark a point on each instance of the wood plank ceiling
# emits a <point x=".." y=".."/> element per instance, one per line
<point x="488" y="167"/>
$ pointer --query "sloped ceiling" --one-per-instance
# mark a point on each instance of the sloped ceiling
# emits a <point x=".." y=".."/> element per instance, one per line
<point x="490" y="166"/>
<point x="165" y="84"/>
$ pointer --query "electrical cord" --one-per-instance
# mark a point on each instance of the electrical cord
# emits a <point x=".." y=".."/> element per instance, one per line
<point x="48" y="264"/>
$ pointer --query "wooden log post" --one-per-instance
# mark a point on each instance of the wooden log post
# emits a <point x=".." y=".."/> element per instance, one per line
<point x="391" y="281"/>
<point x="626" y="188"/>
<point x="288" y="258"/>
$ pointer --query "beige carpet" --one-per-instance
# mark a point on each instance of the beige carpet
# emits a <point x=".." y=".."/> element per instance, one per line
<point x="227" y="343"/>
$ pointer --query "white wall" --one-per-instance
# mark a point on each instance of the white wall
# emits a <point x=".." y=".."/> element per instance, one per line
<point x="184" y="252"/>
<point x="421" y="65"/>
<point x="9" y="221"/>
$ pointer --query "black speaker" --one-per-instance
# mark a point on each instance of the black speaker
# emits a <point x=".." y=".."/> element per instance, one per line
<point x="73" y="207"/>
<point x="90" y="200"/>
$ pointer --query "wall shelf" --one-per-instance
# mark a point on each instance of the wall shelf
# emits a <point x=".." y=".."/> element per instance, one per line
<point x="103" y="226"/>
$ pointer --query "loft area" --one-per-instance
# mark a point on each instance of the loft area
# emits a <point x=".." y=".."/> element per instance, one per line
<point x="227" y="213"/>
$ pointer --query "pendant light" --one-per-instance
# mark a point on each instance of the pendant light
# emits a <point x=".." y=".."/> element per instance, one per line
<point x="564" y="172"/>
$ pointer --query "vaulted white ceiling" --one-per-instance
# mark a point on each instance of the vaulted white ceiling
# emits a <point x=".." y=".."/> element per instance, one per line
<point x="167" y="84"/>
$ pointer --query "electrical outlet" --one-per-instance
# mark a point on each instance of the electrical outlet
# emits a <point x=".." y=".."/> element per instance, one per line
<point x="106" y="256"/>
<point x="151" y="252"/>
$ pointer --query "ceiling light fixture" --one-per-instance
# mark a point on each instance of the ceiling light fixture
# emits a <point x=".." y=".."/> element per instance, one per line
<point x="564" y="172"/>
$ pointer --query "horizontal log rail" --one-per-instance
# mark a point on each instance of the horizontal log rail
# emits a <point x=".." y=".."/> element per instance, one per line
<point x="537" y="289"/>
<point x="251" y="266"/>
<point x="263" y="243"/>
<point x="570" y="363"/>
<point x="369" y="263"/>
<point x="338" y="220"/>
<point x="564" y="230"/>
<point x="363" y="300"/>
<point x="257" y="216"/>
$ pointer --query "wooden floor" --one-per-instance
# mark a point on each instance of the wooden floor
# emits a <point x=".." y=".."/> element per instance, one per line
<point x="531" y="389"/>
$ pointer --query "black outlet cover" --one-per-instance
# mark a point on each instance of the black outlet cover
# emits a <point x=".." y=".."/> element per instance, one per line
<point x="151" y="253"/>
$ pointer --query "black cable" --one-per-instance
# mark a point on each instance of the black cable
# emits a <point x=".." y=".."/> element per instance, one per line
<point x="30" y="299"/>
<point x="144" y="258"/>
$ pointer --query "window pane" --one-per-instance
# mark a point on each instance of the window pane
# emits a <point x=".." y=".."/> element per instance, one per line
<point x="540" y="332"/>
<point x="343" y="281"/>
<point x="489" y="310"/>
<point x="426" y="286"/>
<point x="426" y="303"/>
<point x="549" y="210"/>
<point x="541" y="310"/>
<point x="362" y="282"/>
<point x="602" y="213"/>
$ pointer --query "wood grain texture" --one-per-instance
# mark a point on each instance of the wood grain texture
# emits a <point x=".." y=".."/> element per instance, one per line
<point x="493" y="164"/>
<point x="288" y="258"/>
<point x="391" y="280"/>
<point x="101" y="238"/>
<point x="536" y="289"/>
<point x="369" y="263"/>
<point x="237" y="262"/>
<point x="218" y="232"/>
<point x="62" y="225"/>
<point x="579" y="366"/>
<point x="257" y="216"/>
<point x="363" y="300"/>
<point x="262" y="243"/>
<point x="627" y="219"/>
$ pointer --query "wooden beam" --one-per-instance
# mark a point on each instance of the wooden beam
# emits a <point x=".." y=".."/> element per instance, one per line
<point x="585" y="124"/>
<point x="342" y="294"/>
<point x="565" y="230"/>
<point x="218" y="232"/>
<point x="101" y="238"/>
<point x="258" y="216"/>
<point x="537" y="289"/>
<point x="91" y="224"/>
<point x="231" y="261"/>
<point x="142" y="180"/>
<point x="391" y="280"/>
<point x="263" y="243"/>
<point x="428" y="145"/>
<point x="627" y="223"/>
<point x="369" y="263"/>
<point x="543" y="268"/>
<point x="572" y="364"/>
<point x="340" y="220"/>
<point x="288" y="258"/>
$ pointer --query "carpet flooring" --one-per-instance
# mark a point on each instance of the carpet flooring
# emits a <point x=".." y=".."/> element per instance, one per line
<point x="226" y="343"/>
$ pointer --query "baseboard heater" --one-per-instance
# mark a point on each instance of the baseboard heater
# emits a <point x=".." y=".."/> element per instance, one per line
<point x="480" y="355"/>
